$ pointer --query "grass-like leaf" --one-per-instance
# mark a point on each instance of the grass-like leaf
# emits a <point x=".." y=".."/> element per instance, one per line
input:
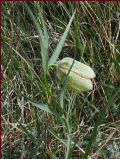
<point x="56" y="136"/>
<point x="58" y="49"/>
<point x="43" y="35"/>
<point x="99" y="121"/>
<point x="43" y="107"/>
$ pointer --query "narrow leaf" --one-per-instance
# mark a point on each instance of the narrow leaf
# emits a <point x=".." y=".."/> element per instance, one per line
<point x="99" y="121"/>
<point x="58" y="49"/>
<point x="56" y="136"/>
<point x="43" y="107"/>
<point x="44" y="27"/>
<point x="42" y="37"/>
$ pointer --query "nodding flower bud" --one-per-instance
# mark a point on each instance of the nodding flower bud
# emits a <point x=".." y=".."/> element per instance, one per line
<point x="79" y="77"/>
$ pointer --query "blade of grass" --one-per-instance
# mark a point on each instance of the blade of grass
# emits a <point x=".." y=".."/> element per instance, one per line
<point x="58" y="49"/>
<point x="44" y="26"/>
<point x="42" y="37"/>
<point x="43" y="107"/>
<point x="56" y="136"/>
<point x="99" y="121"/>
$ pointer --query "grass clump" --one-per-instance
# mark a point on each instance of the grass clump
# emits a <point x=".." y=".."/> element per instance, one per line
<point x="67" y="125"/>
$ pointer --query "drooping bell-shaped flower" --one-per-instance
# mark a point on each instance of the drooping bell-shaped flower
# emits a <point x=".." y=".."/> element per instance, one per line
<point x="79" y="77"/>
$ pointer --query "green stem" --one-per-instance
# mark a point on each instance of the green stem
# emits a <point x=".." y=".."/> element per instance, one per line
<point x="69" y="127"/>
<point x="68" y="146"/>
<point x="68" y="136"/>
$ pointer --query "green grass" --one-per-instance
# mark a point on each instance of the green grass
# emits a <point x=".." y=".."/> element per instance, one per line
<point x="67" y="125"/>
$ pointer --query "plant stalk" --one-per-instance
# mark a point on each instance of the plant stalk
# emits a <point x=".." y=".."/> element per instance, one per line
<point x="68" y="146"/>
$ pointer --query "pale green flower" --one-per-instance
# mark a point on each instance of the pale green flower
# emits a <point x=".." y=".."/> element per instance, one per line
<point x="79" y="78"/>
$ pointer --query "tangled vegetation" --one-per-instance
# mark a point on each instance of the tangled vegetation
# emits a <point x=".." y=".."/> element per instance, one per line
<point x="86" y="124"/>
